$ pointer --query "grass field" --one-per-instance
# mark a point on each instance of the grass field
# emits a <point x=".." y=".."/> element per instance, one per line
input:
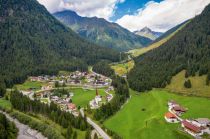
<point x="82" y="97"/>
<point x="140" y="51"/>
<point x="122" y="69"/>
<point x="28" y="85"/>
<point x="5" y="103"/>
<point x="132" y="122"/>
<point x="199" y="87"/>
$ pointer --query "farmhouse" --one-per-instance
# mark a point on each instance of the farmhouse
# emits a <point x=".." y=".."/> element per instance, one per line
<point x="178" y="110"/>
<point x="72" y="107"/>
<point x="171" y="118"/>
<point x="48" y="87"/>
<point x="172" y="104"/>
<point x="202" y="122"/>
<point x="109" y="97"/>
<point x="191" y="128"/>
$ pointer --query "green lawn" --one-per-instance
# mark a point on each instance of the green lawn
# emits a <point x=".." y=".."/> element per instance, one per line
<point x="134" y="123"/>
<point x="28" y="85"/>
<point x="5" y="103"/>
<point x="82" y="97"/>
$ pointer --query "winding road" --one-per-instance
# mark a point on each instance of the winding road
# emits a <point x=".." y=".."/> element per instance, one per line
<point x="25" y="132"/>
<point x="103" y="134"/>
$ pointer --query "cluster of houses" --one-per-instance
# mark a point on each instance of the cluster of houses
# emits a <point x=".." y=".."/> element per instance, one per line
<point x="63" y="102"/>
<point x="194" y="127"/>
<point x="85" y="79"/>
<point x="97" y="101"/>
<point x="75" y="78"/>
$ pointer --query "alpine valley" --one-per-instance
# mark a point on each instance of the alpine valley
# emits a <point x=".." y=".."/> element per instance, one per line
<point x="66" y="76"/>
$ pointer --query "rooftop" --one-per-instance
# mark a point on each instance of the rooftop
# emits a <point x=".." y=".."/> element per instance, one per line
<point x="191" y="126"/>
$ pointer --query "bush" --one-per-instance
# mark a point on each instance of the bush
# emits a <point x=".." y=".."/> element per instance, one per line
<point x="187" y="84"/>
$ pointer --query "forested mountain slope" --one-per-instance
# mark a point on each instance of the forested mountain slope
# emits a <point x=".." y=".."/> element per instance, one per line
<point x="32" y="41"/>
<point x="102" y="32"/>
<point x="189" y="49"/>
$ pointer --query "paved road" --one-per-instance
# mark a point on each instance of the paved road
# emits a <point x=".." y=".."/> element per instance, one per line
<point x="25" y="132"/>
<point x="103" y="134"/>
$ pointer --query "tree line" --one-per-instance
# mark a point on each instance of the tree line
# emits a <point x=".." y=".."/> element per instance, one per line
<point x="52" y="111"/>
<point x="8" y="129"/>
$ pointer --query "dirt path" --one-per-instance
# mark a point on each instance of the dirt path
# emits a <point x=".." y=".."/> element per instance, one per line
<point x="25" y="132"/>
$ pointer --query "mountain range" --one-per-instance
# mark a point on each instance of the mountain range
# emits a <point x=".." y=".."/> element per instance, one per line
<point x="148" y="33"/>
<point x="33" y="42"/>
<point x="102" y="32"/>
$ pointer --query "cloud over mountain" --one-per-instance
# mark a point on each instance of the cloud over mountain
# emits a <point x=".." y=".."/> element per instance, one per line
<point x="89" y="8"/>
<point x="164" y="15"/>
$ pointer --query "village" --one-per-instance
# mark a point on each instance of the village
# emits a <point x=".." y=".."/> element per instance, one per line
<point x="194" y="127"/>
<point x="57" y="89"/>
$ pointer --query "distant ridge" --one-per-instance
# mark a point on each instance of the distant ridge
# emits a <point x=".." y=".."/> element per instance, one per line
<point x="148" y="33"/>
<point x="102" y="32"/>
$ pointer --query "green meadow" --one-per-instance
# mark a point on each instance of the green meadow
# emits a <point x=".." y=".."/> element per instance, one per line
<point x="82" y="97"/>
<point x="143" y="116"/>
<point x="29" y="85"/>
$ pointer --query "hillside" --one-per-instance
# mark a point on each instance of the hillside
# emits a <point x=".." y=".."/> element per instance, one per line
<point x="102" y="32"/>
<point x="159" y="41"/>
<point x="198" y="83"/>
<point x="32" y="41"/>
<point x="148" y="33"/>
<point x="188" y="49"/>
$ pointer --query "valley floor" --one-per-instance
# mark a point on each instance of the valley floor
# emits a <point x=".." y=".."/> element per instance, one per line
<point x="143" y="116"/>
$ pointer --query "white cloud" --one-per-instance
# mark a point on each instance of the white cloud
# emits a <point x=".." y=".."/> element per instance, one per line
<point x="89" y="8"/>
<point x="164" y="15"/>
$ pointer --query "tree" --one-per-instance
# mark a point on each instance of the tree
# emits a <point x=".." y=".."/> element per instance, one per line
<point x="57" y="84"/>
<point x="69" y="132"/>
<point x="187" y="84"/>
<point x="95" y="136"/>
<point x="75" y="135"/>
<point x="208" y="79"/>
<point x="2" y="89"/>
<point x="88" y="134"/>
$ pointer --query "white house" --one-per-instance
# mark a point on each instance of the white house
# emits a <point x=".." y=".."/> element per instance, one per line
<point x="201" y="122"/>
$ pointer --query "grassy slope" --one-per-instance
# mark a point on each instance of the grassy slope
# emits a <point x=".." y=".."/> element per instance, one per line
<point x="138" y="52"/>
<point x="199" y="87"/>
<point x="130" y="122"/>
<point x="122" y="69"/>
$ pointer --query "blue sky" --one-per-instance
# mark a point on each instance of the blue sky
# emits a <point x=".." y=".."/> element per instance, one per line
<point x="128" y="7"/>
<point x="158" y="15"/>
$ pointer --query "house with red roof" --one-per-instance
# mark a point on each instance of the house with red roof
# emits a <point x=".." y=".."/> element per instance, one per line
<point x="178" y="110"/>
<point x="191" y="128"/>
<point x="71" y="107"/>
<point x="171" y="118"/>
